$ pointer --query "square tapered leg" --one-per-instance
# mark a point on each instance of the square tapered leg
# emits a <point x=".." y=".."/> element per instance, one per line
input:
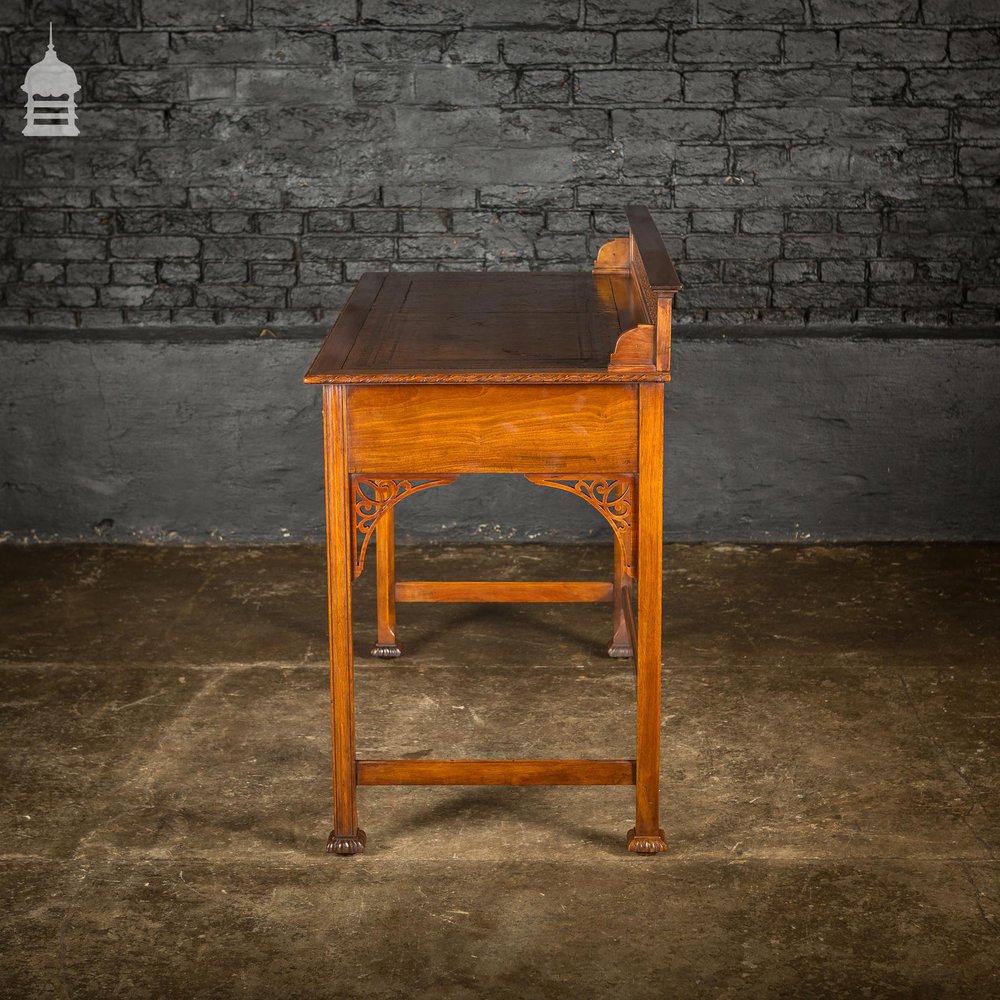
<point x="386" y="645"/>
<point x="346" y="836"/>
<point x="620" y="645"/>
<point x="646" y="837"/>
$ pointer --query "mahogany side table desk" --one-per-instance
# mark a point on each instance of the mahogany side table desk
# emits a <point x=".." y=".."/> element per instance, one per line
<point x="555" y="376"/>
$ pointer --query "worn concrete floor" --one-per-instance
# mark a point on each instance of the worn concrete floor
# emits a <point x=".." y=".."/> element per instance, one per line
<point x="830" y="783"/>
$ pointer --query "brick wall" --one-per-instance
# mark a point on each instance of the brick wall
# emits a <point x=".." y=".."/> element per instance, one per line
<point x="243" y="161"/>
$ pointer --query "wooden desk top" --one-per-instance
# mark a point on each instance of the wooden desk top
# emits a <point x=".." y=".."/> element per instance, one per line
<point x="507" y="327"/>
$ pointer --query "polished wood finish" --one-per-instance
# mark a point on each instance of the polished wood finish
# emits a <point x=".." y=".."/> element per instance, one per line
<point x="647" y="837"/>
<point x="622" y="644"/>
<point x="635" y="349"/>
<point x="558" y="377"/>
<point x="613" y="256"/>
<point x="496" y="772"/>
<point x="489" y="428"/>
<point x="610" y="496"/>
<point x="346" y="837"/>
<point x="386" y="646"/>
<point x="373" y="497"/>
<point x="628" y="618"/>
<point x="628" y="301"/>
<point x="648" y="253"/>
<point x="647" y="295"/>
<point x="341" y="337"/>
<point x="513" y="592"/>
<point x="452" y="326"/>
<point x="439" y="327"/>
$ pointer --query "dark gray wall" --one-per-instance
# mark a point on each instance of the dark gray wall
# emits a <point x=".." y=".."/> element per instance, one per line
<point x="242" y="161"/>
<point x="782" y="436"/>
<point x="817" y="166"/>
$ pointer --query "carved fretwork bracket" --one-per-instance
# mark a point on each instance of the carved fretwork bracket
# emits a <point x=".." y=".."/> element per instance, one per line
<point x="372" y="497"/>
<point x="611" y="497"/>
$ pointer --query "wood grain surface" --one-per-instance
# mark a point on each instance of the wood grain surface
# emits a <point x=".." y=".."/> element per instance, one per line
<point x="487" y="428"/>
<point x="612" y="324"/>
<point x="496" y="772"/>
<point x="506" y="591"/>
<point x="421" y="334"/>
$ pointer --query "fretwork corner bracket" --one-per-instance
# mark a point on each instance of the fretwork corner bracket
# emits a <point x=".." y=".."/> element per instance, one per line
<point x="372" y="496"/>
<point x="611" y="497"/>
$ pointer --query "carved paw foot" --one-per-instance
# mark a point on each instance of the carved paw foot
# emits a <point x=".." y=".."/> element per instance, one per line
<point x="646" y="843"/>
<point x="339" y="844"/>
<point x="619" y="651"/>
<point x="385" y="651"/>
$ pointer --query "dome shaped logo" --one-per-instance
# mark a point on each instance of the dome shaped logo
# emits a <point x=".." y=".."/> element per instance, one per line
<point x="51" y="87"/>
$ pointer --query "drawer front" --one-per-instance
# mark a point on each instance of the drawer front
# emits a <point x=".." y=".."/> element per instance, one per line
<point x="492" y="428"/>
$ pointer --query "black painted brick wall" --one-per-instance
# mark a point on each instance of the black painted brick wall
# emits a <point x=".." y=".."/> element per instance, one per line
<point x="243" y="161"/>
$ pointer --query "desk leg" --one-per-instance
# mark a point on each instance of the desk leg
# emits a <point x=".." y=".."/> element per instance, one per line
<point x="620" y="645"/>
<point x="385" y="587"/>
<point x="346" y="837"/>
<point x="646" y="837"/>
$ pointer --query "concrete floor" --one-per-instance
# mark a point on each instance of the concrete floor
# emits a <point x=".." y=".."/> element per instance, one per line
<point x="830" y="785"/>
